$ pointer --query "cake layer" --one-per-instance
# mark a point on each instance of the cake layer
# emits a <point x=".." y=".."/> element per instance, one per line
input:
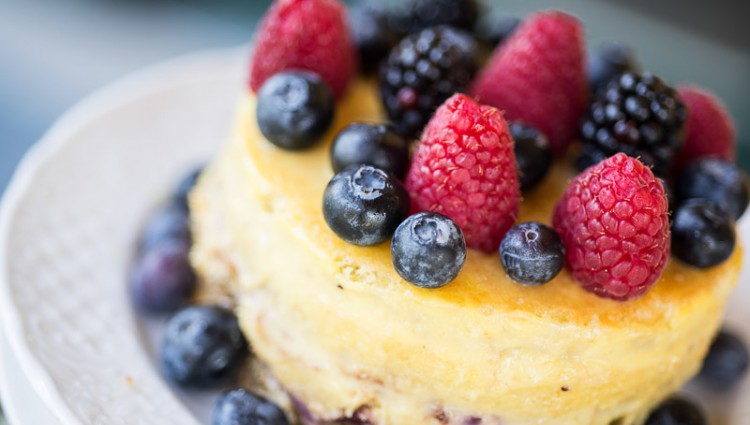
<point x="346" y="336"/>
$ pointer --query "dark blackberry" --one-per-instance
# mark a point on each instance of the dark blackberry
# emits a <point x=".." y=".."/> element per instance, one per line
<point x="638" y="115"/>
<point x="429" y="13"/>
<point x="609" y="61"/>
<point x="374" y="34"/>
<point x="423" y="71"/>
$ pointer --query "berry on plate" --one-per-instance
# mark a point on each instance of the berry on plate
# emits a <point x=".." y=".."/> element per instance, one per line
<point x="538" y="76"/>
<point x="717" y="180"/>
<point x="309" y="35"/>
<point x="375" y="144"/>
<point x="170" y="223"/>
<point x="464" y="167"/>
<point x="243" y="407"/>
<point x="613" y="221"/>
<point x="533" y="155"/>
<point x="428" y="250"/>
<point x="702" y="233"/>
<point x="726" y="362"/>
<point x="709" y="128"/>
<point x="294" y="109"/>
<point x="677" y="410"/>
<point x="532" y="253"/>
<point x="162" y="279"/>
<point x="363" y="205"/>
<point x="185" y="186"/>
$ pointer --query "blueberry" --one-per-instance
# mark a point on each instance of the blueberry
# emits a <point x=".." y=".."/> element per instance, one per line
<point x="532" y="253"/>
<point x="167" y="224"/>
<point x="363" y="205"/>
<point x="717" y="180"/>
<point x="295" y="109"/>
<point x="242" y="407"/>
<point x="609" y="61"/>
<point x="428" y="250"/>
<point x="372" y="33"/>
<point x="533" y="155"/>
<point x="185" y="186"/>
<point x="702" y="233"/>
<point x="374" y="144"/>
<point x="677" y="411"/>
<point x="202" y="346"/>
<point x="162" y="279"/>
<point x="726" y="363"/>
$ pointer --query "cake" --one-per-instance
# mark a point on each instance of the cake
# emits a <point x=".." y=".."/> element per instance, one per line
<point x="338" y="336"/>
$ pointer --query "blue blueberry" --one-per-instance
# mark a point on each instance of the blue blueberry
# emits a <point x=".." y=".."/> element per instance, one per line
<point x="202" y="346"/>
<point x="242" y="407"/>
<point x="726" y="363"/>
<point x="428" y="250"/>
<point x="717" y="180"/>
<point x="677" y="411"/>
<point x="294" y="109"/>
<point x="363" y="205"/>
<point x="702" y="233"/>
<point x="375" y="144"/>
<point x="185" y="186"/>
<point x="609" y="61"/>
<point x="532" y="253"/>
<point x="162" y="278"/>
<point x="533" y="155"/>
<point x="170" y="223"/>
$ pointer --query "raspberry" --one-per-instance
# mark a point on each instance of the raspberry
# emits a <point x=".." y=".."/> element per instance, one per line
<point x="464" y="168"/>
<point x="614" y="224"/>
<point x="310" y="35"/>
<point x="538" y="76"/>
<point x="709" y="127"/>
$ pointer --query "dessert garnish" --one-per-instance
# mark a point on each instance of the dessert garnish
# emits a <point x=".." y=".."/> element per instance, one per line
<point x="716" y="180"/>
<point x="607" y="62"/>
<point x="374" y="144"/>
<point x="162" y="279"/>
<point x="637" y="114"/>
<point x="709" y="130"/>
<point x="464" y="168"/>
<point x="202" y="346"/>
<point x="294" y="109"/>
<point x="168" y="223"/>
<point x="702" y="233"/>
<point x="613" y="222"/>
<point x="243" y="407"/>
<point x="430" y="13"/>
<point x="363" y="205"/>
<point x="428" y="250"/>
<point x="532" y="253"/>
<point x="538" y="77"/>
<point x="677" y="410"/>
<point x="533" y="154"/>
<point x="374" y="34"/>
<point x="726" y="362"/>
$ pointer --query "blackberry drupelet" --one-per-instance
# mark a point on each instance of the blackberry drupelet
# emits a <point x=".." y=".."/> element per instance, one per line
<point x="428" y="13"/>
<point x="424" y="70"/>
<point x="637" y="114"/>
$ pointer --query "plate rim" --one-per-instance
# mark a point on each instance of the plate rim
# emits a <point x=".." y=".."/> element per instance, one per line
<point x="165" y="75"/>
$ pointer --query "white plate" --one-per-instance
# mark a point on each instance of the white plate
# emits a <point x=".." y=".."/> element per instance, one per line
<point x="67" y="228"/>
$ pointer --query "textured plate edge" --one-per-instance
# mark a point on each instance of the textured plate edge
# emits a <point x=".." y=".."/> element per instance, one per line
<point x="180" y="71"/>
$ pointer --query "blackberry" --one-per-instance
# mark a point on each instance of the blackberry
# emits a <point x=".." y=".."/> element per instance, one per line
<point x="639" y="115"/>
<point x="429" y="13"/>
<point x="422" y="72"/>
<point x="374" y="34"/>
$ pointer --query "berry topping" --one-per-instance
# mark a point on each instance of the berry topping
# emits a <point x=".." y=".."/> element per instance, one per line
<point x="363" y="205"/>
<point x="309" y="35"/>
<point x="609" y="61"/>
<point x="429" y="13"/>
<point x="242" y="407"/>
<point x="638" y="115"/>
<point x="702" y="233"/>
<point x="421" y="72"/>
<point x="677" y="411"/>
<point x="532" y="253"/>
<point x="373" y="34"/>
<point x="185" y="186"/>
<point x="464" y="167"/>
<point x="202" y="346"/>
<point x="295" y="109"/>
<point x="171" y="223"/>
<point x="709" y="131"/>
<point x="538" y="77"/>
<point x="428" y="250"/>
<point x="613" y="221"/>
<point x="162" y="279"/>
<point x="533" y="155"/>
<point x="493" y="28"/>
<point x="374" y="144"/>
<point x="726" y="362"/>
<point x="716" y="180"/>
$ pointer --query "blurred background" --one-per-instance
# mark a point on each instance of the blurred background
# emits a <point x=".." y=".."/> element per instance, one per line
<point x="54" y="52"/>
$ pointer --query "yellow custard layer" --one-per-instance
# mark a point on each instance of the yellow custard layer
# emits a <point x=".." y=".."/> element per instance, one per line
<point x="342" y="332"/>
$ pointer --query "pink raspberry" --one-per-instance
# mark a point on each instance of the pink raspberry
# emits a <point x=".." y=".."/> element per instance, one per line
<point x="538" y="76"/>
<point x="709" y="127"/>
<point x="613" y="221"/>
<point x="310" y="35"/>
<point x="465" y="168"/>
